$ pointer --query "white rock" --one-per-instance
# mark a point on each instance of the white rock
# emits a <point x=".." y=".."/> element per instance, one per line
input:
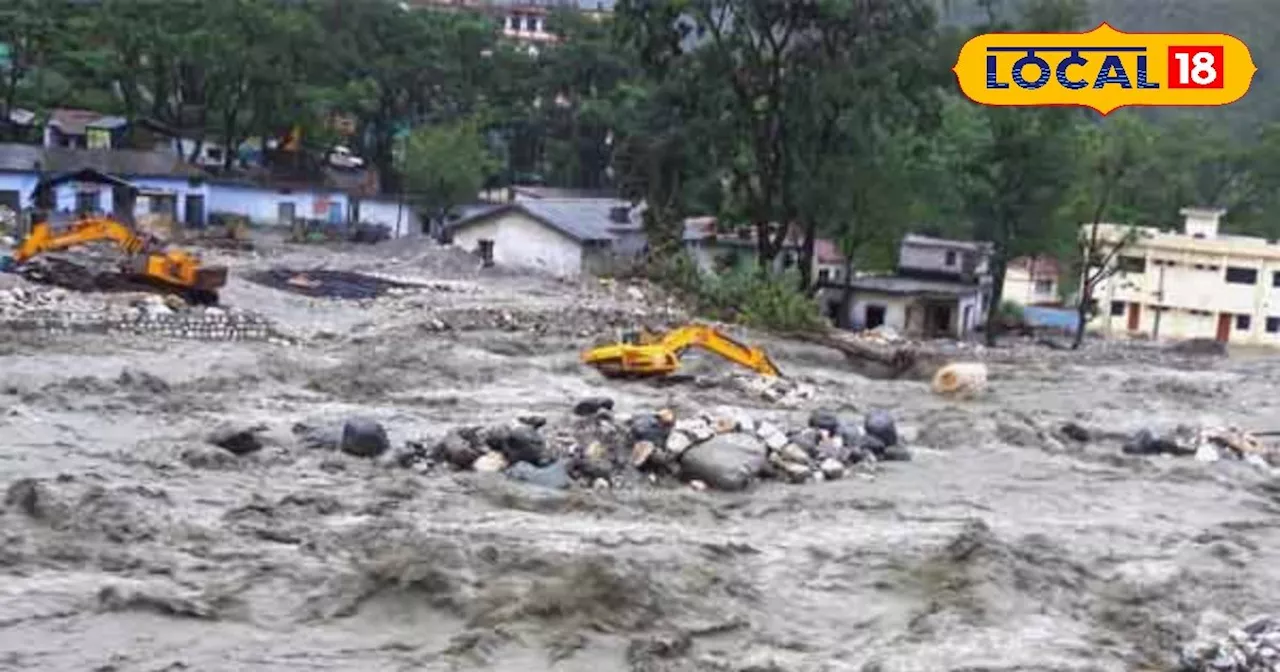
<point x="777" y="440"/>
<point x="1207" y="452"/>
<point x="790" y="452"/>
<point x="697" y="428"/>
<point x="490" y="462"/>
<point x="832" y="468"/>
<point x="678" y="442"/>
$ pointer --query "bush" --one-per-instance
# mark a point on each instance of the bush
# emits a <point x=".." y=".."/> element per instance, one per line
<point x="742" y="294"/>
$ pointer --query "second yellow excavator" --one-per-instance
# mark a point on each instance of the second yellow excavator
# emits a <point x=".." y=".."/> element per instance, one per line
<point x="173" y="269"/>
<point x="643" y="353"/>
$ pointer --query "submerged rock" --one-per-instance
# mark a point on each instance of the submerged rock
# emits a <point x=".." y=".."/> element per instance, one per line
<point x="237" y="440"/>
<point x="363" y="437"/>
<point x="880" y="424"/>
<point x="554" y="475"/>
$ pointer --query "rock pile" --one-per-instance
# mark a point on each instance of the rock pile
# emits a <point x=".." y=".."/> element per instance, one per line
<point x="725" y="449"/>
<point x="55" y="310"/>
<point x="1253" y="647"/>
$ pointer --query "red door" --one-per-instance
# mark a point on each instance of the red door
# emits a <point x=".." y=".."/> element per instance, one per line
<point x="1224" y="327"/>
<point x="1135" y="311"/>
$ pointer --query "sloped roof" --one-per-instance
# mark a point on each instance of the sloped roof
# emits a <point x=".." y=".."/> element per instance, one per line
<point x="108" y="123"/>
<point x="583" y="220"/>
<point x="897" y="284"/>
<point x="16" y="157"/>
<point x="73" y="122"/>
<point x="916" y="239"/>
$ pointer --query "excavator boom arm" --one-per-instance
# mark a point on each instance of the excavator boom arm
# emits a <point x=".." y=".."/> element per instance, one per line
<point x="42" y="238"/>
<point x="713" y="340"/>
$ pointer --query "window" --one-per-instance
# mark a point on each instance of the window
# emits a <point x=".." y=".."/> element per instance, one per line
<point x="824" y="275"/>
<point x="1242" y="276"/>
<point x="1275" y="278"/>
<point x="1044" y="286"/>
<point x="1242" y="323"/>
<point x="485" y="247"/>
<point x="1117" y="308"/>
<point x="86" y="201"/>
<point x="951" y="257"/>
<point x="1273" y="325"/>
<point x="1132" y="265"/>
<point x="531" y="23"/>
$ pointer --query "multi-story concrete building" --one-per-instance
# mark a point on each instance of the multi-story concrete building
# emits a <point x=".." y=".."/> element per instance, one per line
<point x="522" y="20"/>
<point x="1199" y="283"/>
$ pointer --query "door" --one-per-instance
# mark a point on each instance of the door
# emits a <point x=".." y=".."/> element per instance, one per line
<point x="1135" y="312"/>
<point x="285" y="213"/>
<point x="195" y="210"/>
<point x="1224" y="327"/>
<point x="874" y="316"/>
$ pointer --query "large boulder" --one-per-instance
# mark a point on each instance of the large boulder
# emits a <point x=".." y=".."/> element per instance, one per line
<point x="363" y="437"/>
<point x="725" y="462"/>
<point x="237" y="439"/>
<point x="554" y="475"/>
<point x="519" y="443"/>
<point x="880" y="424"/>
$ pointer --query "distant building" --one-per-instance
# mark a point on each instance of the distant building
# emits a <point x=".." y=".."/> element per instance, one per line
<point x="941" y="288"/>
<point x="1032" y="281"/>
<point x="522" y="20"/>
<point x="565" y="237"/>
<point x="1198" y="283"/>
<point x="715" y="247"/>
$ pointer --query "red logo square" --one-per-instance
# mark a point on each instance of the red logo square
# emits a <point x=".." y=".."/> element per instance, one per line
<point x="1196" y="67"/>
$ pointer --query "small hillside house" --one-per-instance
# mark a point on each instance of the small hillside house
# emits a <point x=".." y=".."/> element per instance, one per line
<point x="941" y="288"/>
<point x="562" y="237"/>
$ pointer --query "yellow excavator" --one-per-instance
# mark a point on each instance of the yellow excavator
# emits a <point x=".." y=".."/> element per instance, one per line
<point x="642" y="353"/>
<point x="147" y="260"/>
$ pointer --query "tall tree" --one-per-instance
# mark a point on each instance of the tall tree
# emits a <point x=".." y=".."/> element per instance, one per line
<point x="1015" y="172"/>
<point x="445" y="166"/>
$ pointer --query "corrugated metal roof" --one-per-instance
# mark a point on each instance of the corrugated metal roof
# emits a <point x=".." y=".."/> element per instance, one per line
<point x="73" y="122"/>
<point x="916" y="239"/>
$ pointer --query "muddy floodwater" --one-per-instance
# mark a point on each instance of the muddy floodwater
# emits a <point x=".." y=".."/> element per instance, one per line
<point x="130" y="543"/>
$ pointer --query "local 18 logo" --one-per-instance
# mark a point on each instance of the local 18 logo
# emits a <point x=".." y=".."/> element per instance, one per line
<point x="1104" y="69"/>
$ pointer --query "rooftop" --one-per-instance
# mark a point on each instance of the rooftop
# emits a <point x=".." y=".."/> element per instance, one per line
<point x="929" y="241"/>
<point x="73" y="122"/>
<point x="896" y="284"/>
<point x="582" y="219"/>
<point x="20" y="158"/>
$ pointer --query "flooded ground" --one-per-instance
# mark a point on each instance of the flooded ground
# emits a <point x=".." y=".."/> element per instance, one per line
<point x="129" y="543"/>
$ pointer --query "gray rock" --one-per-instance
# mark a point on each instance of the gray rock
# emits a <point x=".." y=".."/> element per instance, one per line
<point x="807" y="438"/>
<point x="520" y="443"/>
<point x="896" y="453"/>
<point x="592" y="405"/>
<point x="1147" y="442"/>
<point x="459" y="449"/>
<point x="363" y="437"/>
<point x="726" y="462"/>
<point x="832" y="469"/>
<point x="824" y="419"/>
<point x="872" y="445"/>
<point x="880" y="424"/>
<point x="534" y="421"/>
<point x="237" y="440"/>
<point x="831" y="449"/>
<point x="648" y="427"/>
<point x="850" y="433"/>
<point x="554" y="475"/>
<point x="317" y="438"/>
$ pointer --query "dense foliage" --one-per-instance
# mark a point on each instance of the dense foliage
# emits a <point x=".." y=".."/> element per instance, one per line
<point x="839" y="116"/>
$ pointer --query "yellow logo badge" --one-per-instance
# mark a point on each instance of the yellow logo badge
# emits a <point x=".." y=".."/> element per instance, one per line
<point x="1104" y="69"/>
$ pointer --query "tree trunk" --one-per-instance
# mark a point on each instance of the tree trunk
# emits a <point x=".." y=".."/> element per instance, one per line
<point x="806" y="256"/>
<point x="846" y="297"/>
<point x="998" y="268"/>
<point x="1082" y="315"/>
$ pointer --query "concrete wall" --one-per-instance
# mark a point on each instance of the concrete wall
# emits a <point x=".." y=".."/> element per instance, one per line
<point x="402" y="219"/>
<point x="262" y="206"/>
<point x="1022" y="289"/>
<point x="906" y="314"/>
<point x="22" y="183"/>
<point x="934" y="258"/>
<point x="1188" y="281"/>
<point x="521" y="242"/>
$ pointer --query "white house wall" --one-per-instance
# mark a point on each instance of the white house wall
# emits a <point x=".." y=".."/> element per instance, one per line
<point x="400" y="218"/>
<point x="262" y="206"/>
<point x="22" y="183"/>
<point x="521" y="242"/>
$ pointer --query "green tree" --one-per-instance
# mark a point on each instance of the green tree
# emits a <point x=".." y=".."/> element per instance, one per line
<point x="445" y="166"/>
<point x="1016" y="169"/>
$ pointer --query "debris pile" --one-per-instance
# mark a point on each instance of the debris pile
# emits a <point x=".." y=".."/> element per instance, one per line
<point x="1207" y="444"/>
<point x="1253" y="647"/>
<point x="724" y="449"/>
